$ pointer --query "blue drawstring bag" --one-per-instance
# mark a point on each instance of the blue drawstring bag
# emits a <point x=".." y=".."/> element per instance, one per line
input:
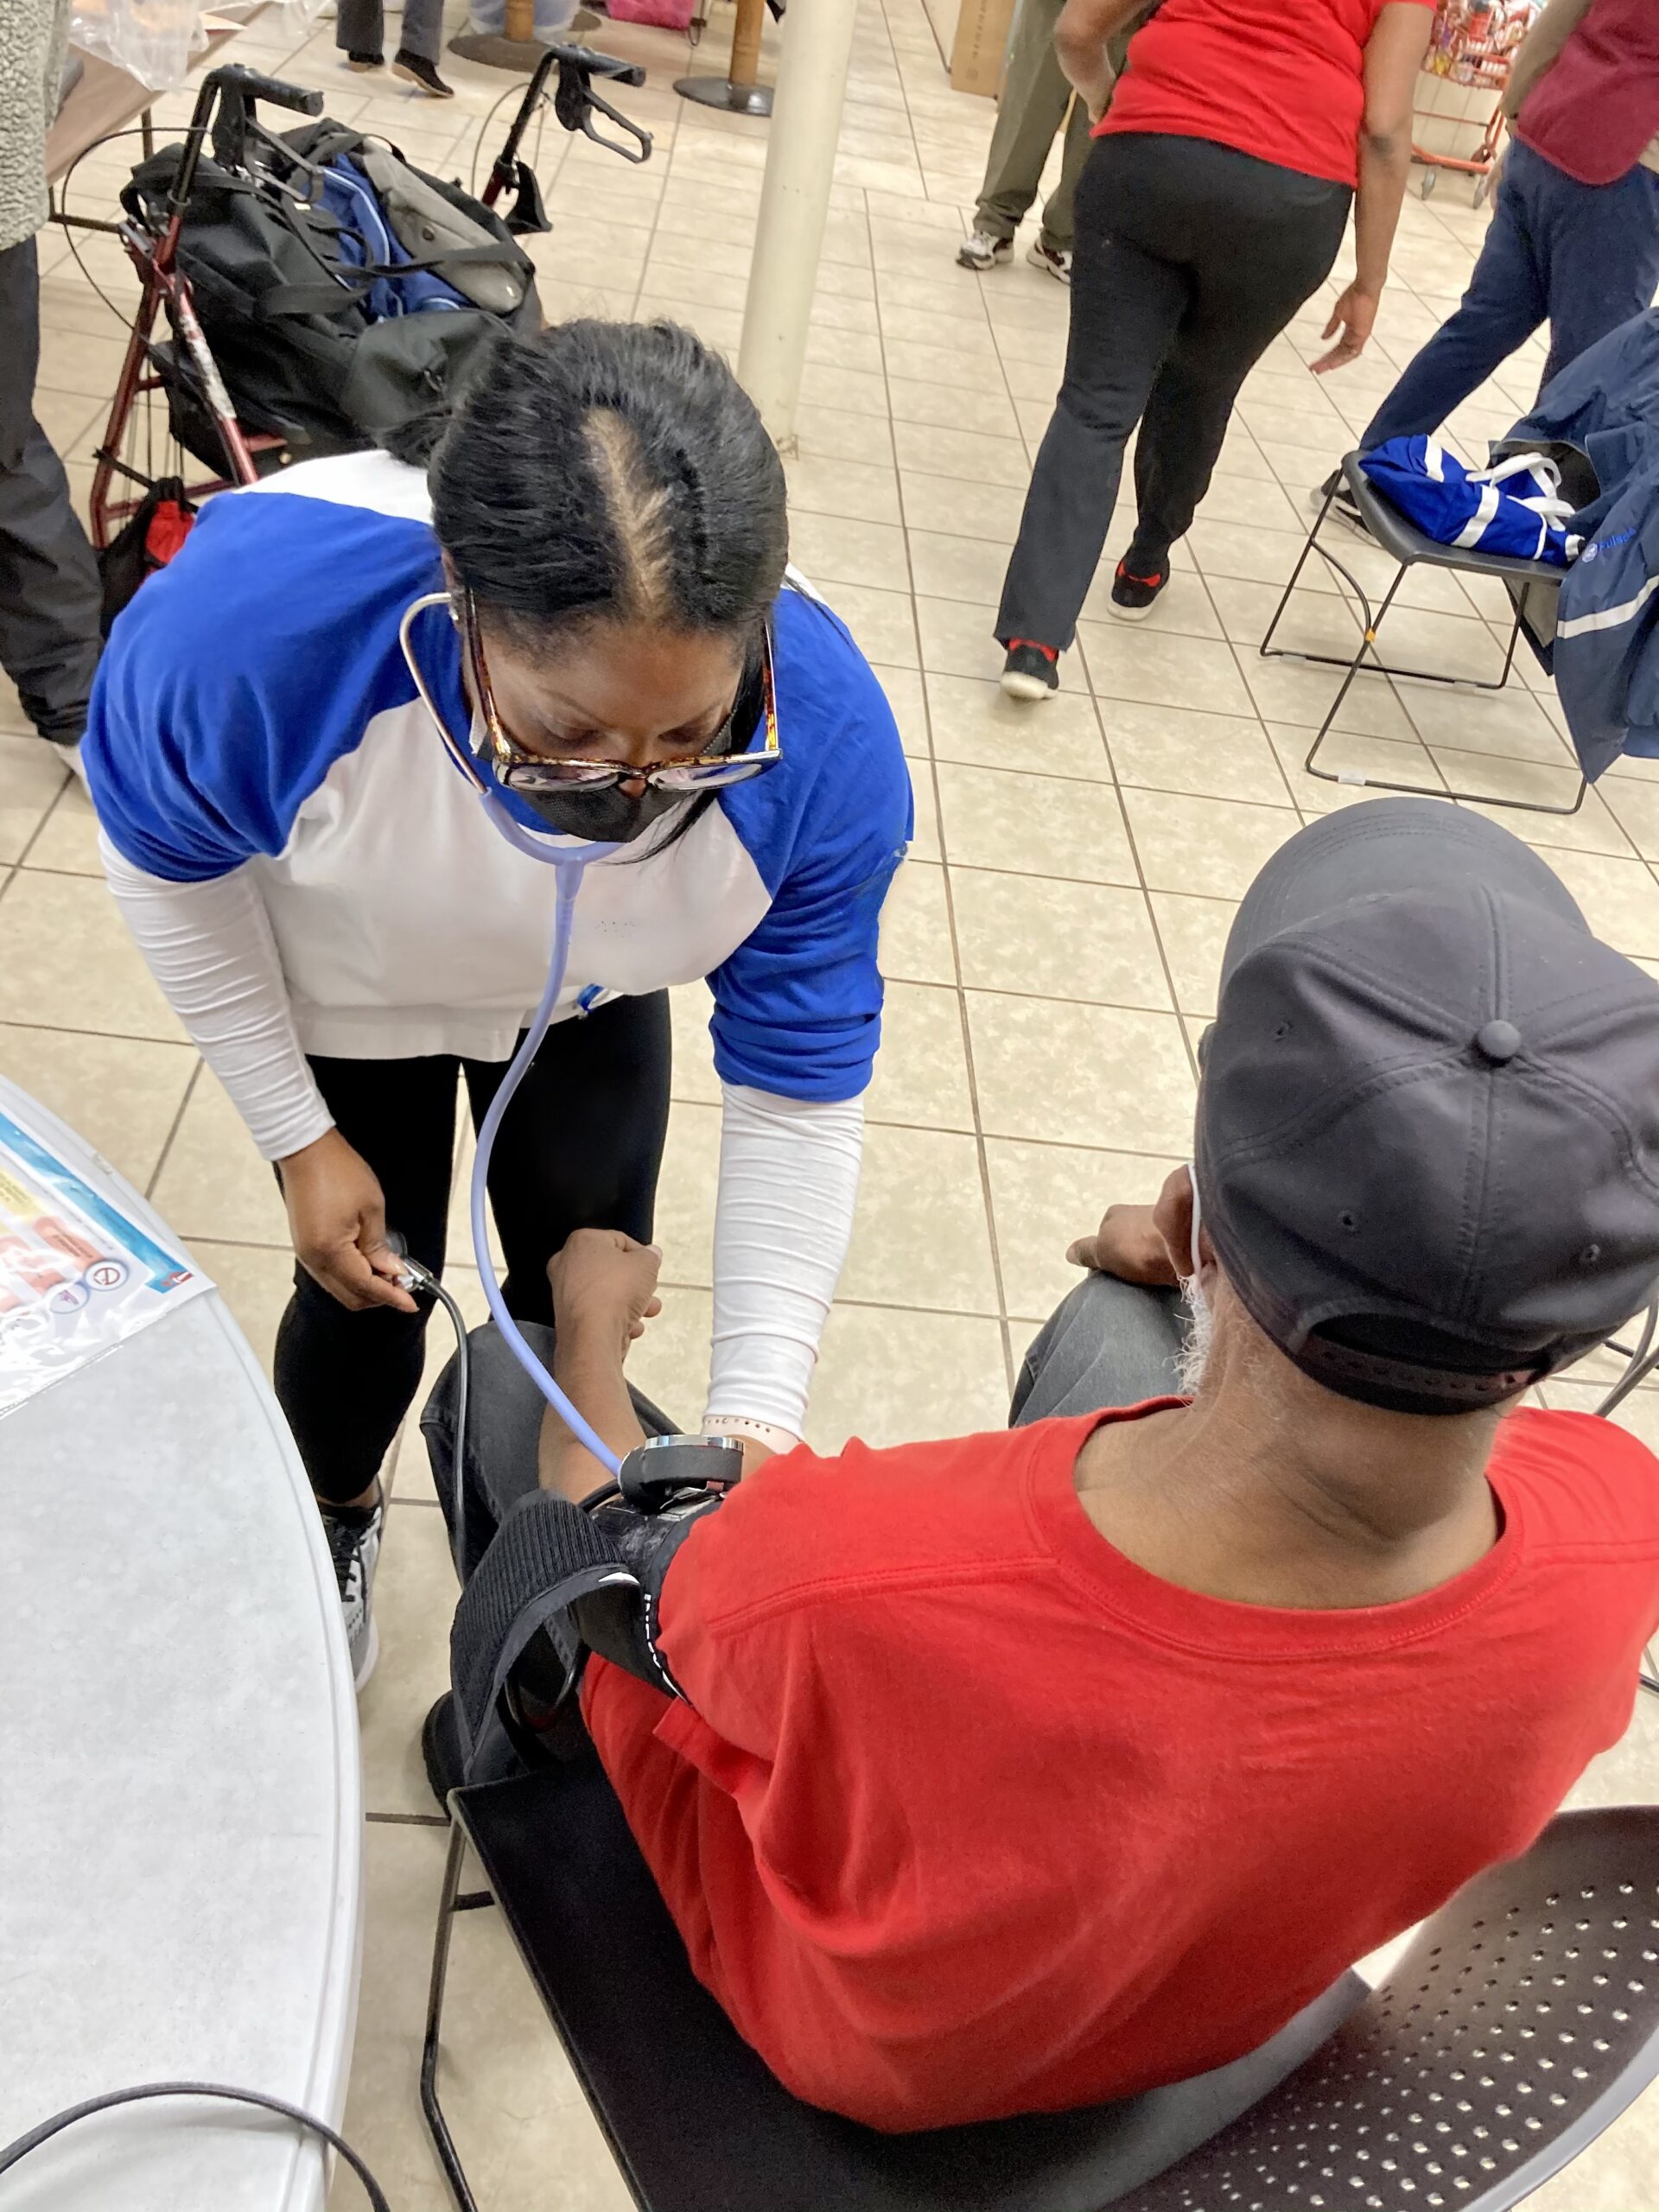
<point x="1514" y="508"/>
<point x="366" y="240"/>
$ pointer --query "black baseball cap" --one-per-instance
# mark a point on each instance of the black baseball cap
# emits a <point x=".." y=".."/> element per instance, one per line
<point x="1427" y="1151"/>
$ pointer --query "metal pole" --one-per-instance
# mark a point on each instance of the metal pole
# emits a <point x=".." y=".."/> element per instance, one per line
<point x="817" y="46"/>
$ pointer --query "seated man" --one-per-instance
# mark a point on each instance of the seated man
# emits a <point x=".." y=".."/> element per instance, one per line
<point x="1024" y="1771"/>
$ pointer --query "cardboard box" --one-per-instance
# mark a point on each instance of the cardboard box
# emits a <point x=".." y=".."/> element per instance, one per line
<point x="981" y="45"/>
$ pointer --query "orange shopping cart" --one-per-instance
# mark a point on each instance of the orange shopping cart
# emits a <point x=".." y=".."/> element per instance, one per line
<point x="1473" y="44"/>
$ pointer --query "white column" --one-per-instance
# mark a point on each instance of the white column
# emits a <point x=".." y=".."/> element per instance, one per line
<point x="817" y="45"/>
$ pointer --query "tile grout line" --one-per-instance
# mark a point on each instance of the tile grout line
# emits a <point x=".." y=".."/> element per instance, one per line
<point x="981" y="1153"/>
<point x="172" y="1130"/>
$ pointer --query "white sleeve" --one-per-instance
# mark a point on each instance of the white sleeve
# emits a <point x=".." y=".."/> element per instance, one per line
<point x="788" y="1184"/>
<point x="210" y="948"/>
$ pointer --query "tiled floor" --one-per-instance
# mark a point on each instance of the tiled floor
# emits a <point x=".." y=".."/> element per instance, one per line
<point x="1052" y="948"/>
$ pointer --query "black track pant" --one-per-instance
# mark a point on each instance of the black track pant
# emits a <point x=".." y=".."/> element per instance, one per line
<point x="1189" y="259"/>
<point x="579" y="1148"/>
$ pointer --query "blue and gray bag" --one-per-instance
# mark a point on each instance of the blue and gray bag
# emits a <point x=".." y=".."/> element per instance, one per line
<point x="1514" y="508"/>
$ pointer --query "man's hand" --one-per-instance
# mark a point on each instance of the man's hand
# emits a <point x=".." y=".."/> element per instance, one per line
<point x="1127" y="1245"/>
<point x="1353" y="314"/>
<point x="337" y="1218"/>
<point x="604" y="1288"/>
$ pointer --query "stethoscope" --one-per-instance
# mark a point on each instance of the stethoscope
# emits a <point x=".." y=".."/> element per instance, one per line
<point x="569" y="863"/>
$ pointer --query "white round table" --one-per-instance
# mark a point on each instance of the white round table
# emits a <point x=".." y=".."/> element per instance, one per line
<point x="180" y="1793"/>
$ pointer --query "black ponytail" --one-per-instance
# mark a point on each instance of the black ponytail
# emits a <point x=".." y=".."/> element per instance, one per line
<point x="611" y="471"/>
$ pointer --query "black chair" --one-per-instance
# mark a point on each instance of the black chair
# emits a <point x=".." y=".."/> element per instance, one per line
<point x="1522" y="2020"/>
<point x="1534" y="588"/>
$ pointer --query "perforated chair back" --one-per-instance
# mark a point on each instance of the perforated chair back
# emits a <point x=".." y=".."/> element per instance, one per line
<point x="1521" y="2021"/>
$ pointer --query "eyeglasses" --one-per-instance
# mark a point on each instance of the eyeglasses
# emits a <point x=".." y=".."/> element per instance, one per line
<point x="531" y="773"/>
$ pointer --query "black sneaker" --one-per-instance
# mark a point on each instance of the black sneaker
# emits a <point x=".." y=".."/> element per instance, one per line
<point x="416" y="69"/>
<point x="354" y="1547"/>
<point x="441" y="1750"/>
<point x="1344" y="507"/>
<point x="1031" y="672"/>
<point x="365" y="61"/>
<point x="1134" y="596"/>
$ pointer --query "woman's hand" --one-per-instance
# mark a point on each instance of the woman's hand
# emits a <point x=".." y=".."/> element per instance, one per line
<point x="604" y="1288"/>
<point x="337" y="1218"/>
<point x="1353" y="314"/>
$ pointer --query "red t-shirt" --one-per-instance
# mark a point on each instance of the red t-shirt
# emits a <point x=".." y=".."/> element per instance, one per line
<point x="1282" y="80"/>
<point x="967" y="1814"/>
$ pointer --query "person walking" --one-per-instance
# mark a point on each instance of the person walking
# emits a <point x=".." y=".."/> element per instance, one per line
<point x="360" y="32"/>
<point x="1212" y="205"/>
<point x="1031" y="107"/>
<point x="49" y="594"/>
<point x="1574" y="235"/>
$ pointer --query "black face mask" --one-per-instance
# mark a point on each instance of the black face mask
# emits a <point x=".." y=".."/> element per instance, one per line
<point x="611" y="817"/>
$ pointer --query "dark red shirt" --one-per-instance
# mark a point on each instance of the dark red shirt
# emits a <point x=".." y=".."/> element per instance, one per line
<point x="1283" y="79"/>
<point x="1595" y="108"/>
<point x="967" y="1814"/>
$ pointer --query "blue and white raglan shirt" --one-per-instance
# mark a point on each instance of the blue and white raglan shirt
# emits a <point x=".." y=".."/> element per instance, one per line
<point x="307" y="873"/>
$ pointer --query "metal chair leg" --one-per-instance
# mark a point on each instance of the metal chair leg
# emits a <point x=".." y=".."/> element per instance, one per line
<point x="450" y="1903"/>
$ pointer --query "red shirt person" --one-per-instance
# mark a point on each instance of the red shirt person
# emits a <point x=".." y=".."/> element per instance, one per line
<point x="1024" y="1770"/>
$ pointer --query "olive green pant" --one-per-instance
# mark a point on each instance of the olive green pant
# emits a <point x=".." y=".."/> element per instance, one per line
<point x="1031" y="110"/>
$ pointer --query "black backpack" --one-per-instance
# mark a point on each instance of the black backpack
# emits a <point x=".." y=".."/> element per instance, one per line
<point x="284" y="313"/>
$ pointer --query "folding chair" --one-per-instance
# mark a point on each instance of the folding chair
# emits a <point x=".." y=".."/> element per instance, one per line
<point x="1534" y="588"/>
<point x="1522" y="2020"/>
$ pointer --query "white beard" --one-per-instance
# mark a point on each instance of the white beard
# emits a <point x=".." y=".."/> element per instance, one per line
<point x="1200" y="1335"/>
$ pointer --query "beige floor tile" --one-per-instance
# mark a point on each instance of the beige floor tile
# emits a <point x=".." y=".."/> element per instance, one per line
<point x="1284" y="691"/>
<point x="892" y="1375"/>
<point x="414" y="1594"/>
<point x="883" y="623"/>
<point x="947" y="567"/>
<point x="924" y="834"/>
<point x="1211" y="847"/>
<point x="1635" y="802"/>
<point x="684" y="1230"/>
<point x="859" y="490"/>
<point x="1312" y="622"/>
<point x="951" y="407"/>
<point x="31" y="777"/>
<point x="66" y="962"/>
<point x="1592" y="829"/>
<point x="516" y="2110"/>
<point x="1193" y="934"/>
<point x="921" y="1071"/>
<point x="1211" y="756"/>
<point x="1032" y="825"/>
<point x="921" y="1233"/>
<point x="1619" y="899"/>
<point x="904" y="695"/>
<point x="836" y="434"/>
<point x="847" y="388"/>
<point x="968" y="457"/>
<point x="256" y="1282"/>
<point x="693" y="1077"/>
<point x="915" y="944"/>
<point x="1387" y="760"/>
<point x="669" y="1362"/>
<point x="834" y="550"/>
<point x="1087" y="941"/>
<point x="121" y="1095"/>
<point x="1098" y="1075"/>
<point x="1126" y="661"/>
<point x="213" y="1182"/>
<point x="1508" y="722"/>
<point x="1046" y="1196"/>
<point x="976" y="723"/>
<point x="989" y="512"/>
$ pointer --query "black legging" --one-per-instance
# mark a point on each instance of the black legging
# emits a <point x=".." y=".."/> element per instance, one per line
<point x="1189" y="259"/>
<point x="580" y="1147"/>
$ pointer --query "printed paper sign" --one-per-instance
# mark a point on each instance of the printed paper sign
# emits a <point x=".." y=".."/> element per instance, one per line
<point x="76" y="1275"/>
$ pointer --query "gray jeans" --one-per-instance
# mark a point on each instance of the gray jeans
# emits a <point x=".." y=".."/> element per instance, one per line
<point x="1107" y="1344"/>
<point x="50" y="598"/>
<point x="361" y="27"/>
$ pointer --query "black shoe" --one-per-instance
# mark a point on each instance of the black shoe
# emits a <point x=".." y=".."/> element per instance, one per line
<point x="1031" y="672"/>
<point x="365" y="61"/>
<point x="1345" y="508"/>
<point x="441" y="1750"/>
<point x="1133" y="595"/>
<point x="416" y="69"/>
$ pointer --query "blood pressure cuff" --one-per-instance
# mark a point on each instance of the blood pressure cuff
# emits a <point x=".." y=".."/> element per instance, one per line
<point x="584" y="1581"/>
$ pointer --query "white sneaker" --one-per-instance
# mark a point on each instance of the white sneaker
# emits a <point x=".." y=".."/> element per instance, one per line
<point x="980" y="250"/>
<point x="1051" y="261"/>
<point x="355" y="1550"/>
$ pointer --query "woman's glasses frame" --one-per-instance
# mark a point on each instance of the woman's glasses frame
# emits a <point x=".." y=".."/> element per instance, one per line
<point x="518" y="770"/>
